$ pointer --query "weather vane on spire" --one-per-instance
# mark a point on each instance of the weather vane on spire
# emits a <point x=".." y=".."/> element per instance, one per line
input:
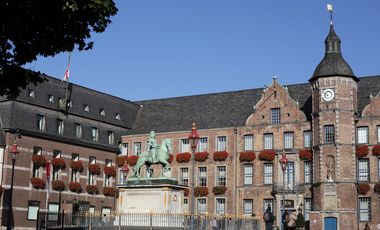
<point x="330" y="9"/>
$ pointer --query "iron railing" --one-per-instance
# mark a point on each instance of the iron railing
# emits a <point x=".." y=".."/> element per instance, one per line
<point x="288" y="188"/>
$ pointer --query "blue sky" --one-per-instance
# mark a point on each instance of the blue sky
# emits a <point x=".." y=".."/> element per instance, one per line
<point x="167" y="48"/>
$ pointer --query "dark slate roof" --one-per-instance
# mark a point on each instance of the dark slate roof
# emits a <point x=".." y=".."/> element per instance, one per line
<point x="226" y="109"/>
<point x="333" y="63"/>
<point x="82" y="96"/>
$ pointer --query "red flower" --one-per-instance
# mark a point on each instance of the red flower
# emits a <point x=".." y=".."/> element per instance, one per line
<point x="200" y="191"/>
<point x="58" y="163"/>
<point x="305" y="154"/>
<point x="219" y="190"/>
<point x="109" y="191"/>
<point x="92" y="189"/>
<point x="76" y="165"/>
<point x="37" y="183"/>
<point x="183" y="157"/>
<point x="376" y="150"/>
<point x="58" y="185"/>
<point x="75" y="187"/>
<point x="363" y="188"/>
<point x="361" y="150"/>
<point x="109" y="171"/>
<point x="247" y="156"/>
<point x="201" y="156"/>
<point x="120" y="160"/>
<point x="132" y="160"/>
<point x="267" y="155"/>
<point x="39" y="160"/>
<point x="220" y="155"/>
<point x="186" y="192"/>
<point x="170" y="160"/>
<point x="94" y="169"/>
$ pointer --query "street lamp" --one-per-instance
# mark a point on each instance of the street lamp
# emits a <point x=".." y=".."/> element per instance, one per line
<point x="14" y="152"/>
<point x="283" y="162"/>
<point x="124" y="170"/>
<point x="193" y="139"/>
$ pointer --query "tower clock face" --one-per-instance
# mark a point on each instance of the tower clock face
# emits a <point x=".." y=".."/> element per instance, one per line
<point x="328" y="94"/>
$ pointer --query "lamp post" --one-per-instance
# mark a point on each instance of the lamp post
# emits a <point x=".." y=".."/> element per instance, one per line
<point x="124" y="171"/>
<point x="14" y="152"/>
<point x="193" y="139"/>
<point x="283" y="162"/>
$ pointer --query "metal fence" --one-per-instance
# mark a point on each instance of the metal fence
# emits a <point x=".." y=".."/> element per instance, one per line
<point x="148" y="221"/>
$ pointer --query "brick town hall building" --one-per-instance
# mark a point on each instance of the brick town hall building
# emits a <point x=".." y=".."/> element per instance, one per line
<point x="328" y="128"/>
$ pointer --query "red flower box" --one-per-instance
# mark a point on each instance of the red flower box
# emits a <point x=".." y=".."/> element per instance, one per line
<point x="109" y="171"/>
<point x="200" y="191"/>
<point x="186" y="192"/>
<point x="363" y="188"/>
<point x="109" y="191"/>
<point x="132" y="160"/>
<point x="220" y="155"/>
<point x="58" y="185"/>
<point x="267" y="155"/>
<point x="75" y="187"/>
<point x="201" y="156"/>
<point x="39" y="160"/>
<point x="183" y="157"/>
<point x="377" y="188"/>
<point x="247" y="156"/>
<point x="58" y="163"/>
<point x="120" y="160"/>
<point x="376" y="150"/>
<point x="305" y="154"/>
<point x="361" y="150"/>
<point x="219" y="190"/>
<point x="92" y="189"/>
<point x="37" y="183"/>
<point x="170" y="160"/>
<point x="76" y="166"/>
<point x="94" y="169"/>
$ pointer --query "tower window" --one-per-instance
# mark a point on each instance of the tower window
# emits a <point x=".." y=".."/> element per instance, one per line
<point x="275" y="115"/>
<point x="329" y="134"/>
<point x="364" y="209"/>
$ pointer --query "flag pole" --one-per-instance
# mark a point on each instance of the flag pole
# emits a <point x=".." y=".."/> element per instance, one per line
<point x="66" y="78"/>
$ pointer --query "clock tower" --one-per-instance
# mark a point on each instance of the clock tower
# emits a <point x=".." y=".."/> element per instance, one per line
<point x="334" y="106"/>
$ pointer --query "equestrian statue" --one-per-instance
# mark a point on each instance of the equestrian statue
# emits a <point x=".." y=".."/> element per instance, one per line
<point x="155" y="155"/>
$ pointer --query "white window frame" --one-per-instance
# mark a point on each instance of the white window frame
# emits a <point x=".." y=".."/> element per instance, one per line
<point x="137" y="148"/>
<point x="364" y="209"/>
<point x="111" y="137"/>
<point x="78" y="130"/>
<point x="60" y="126"/>
<point x="124" y="150"/>
<point x="247" y="207"/>
<point x="202" y="176"/>
<point x="33" y="208"/>
<point x="247" y="174"/>
<point x="363" y="169"/>
<point x="94" y="134"/>
<point x="202" y="144"/>
<point x="307" y="139"/>
<point x="362" y="135"/>
<point x="183" y="176"/>
<point x="53" y="211"/>
<point x="41" y="123"/>
<point x="307" y="207"/>
<point x="268" y="141"/>
<point x="184" y="145"/>
<point x="220" y="205"/>
<point x="248" y="142"/>
<point x="267" y="202"/>
<point x="308" y="172"/>
<point x="275" y="116"/>
<point x="288" y="140"/>
<point x="221" y="143"/>
<point x="268" y="173"/>
<point x="201" y="207"/>
<point x="221" y="176"/>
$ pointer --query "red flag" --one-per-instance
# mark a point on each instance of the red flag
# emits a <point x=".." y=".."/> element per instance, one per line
<point x="67" y="72"/>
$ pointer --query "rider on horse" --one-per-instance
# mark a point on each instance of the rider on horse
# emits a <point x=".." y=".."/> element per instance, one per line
<point x="153" y="146"/>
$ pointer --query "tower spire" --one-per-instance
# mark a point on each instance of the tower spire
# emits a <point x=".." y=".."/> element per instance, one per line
<point x="330" y="10"/>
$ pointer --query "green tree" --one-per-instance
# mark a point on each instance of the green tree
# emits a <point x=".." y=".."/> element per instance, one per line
<point x="31" y="28"/>
<point x="300" y="222"/>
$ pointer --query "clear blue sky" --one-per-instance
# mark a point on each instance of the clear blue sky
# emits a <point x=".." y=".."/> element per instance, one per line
<point x="167" y="48"/>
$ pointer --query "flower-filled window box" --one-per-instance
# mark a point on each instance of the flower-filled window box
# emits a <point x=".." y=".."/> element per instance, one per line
<point x="377" y="188"/>
<point x="75" y="187"/>
<point x="109" y="171"/>
<point x="109" y="191"/>
<point x="363" y="188"/>
<point x="170" y="160"/>
<point x="37" y="183"/>
<point x="39" y="160"/>
<point x="94" y="169"/>
<point x="58" y="163"/>
<point x="92" y="189"/>
<point x="376" y="150"/>
<point x="267" y="155"/>
<point x="76" y="166"/>
<point x="183" y="157"/>
<point x="201" y="156"/>
<point x="186" y="192"/>
<point x="132" y="160"/>
<point x="200" y="191"/>
<point x="120" y="160"/>
<point x="219" y="190"/>
<point x="305" y="154"/>
<point x="220" y="155"/>
<point x="58" y="185"/>
<point x="247" y="156"/>
<point x="361" y="150"/>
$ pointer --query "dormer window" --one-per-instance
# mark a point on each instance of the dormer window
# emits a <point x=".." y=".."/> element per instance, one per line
<point x="86" y="108"/>
<point x="51" y="98"/>
<point x="102" y="112"/>
<point x="31" y="93"/>
<point x="70" y="104"/>
<point x="117" y="116"/>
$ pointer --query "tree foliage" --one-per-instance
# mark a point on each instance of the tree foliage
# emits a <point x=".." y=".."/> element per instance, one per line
<point x="31" y="28"/>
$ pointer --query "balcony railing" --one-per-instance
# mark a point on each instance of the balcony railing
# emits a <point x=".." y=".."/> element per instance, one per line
<point x="289" y="188"/>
